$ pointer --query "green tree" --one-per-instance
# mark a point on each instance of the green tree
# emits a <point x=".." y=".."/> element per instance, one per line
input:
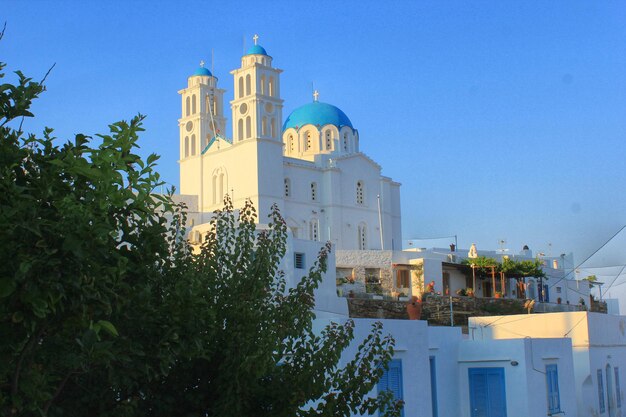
<point x="105" y="311"/>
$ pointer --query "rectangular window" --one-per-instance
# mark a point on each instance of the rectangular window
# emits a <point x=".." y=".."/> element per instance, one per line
<point x="392" y="380"/>
<point x="299" y="260"/>
<point x="552" y="382"/>
<point x="601" y="392"/>
<point x="558" y="290"/>
<point x="402" y="278"/>
<point x="618" y="392"/>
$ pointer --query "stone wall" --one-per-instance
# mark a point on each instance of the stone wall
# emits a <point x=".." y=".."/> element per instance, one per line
<point x="436" y="309"/>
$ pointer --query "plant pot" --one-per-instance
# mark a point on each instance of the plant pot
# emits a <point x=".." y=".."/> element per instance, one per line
<point x="414" y="309"/>
<point x="498" y="296"/>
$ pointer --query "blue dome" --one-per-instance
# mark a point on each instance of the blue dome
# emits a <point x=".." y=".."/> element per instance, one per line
<point x="256" y="50"/>
<point x="318" y="114"/>
<point x="202" y="72"/>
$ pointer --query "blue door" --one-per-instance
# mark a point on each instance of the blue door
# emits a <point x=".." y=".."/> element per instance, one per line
<point x="487" y="394"/>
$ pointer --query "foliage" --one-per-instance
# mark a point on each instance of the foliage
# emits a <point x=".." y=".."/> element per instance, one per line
<point x="373" y="288"/>
<point x="523" y="268"/>
<point x="482" y="264"/>
<point x="511" y="267"/>
<point x="591" y="279"/>
<point x="104" y="311"/>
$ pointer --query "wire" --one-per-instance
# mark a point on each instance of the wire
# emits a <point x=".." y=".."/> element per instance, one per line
<point x="579" y="321"/>
<point x="588" y="257"/>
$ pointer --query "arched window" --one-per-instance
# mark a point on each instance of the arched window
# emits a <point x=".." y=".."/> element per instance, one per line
<point x="262" y="84"/>
<point x="362" y="236"/>
<point x="313" y="191"/>
<point x="240" y="87"/>
<point x="272" y="128"/>
<point x="359" y="192"/>
<point x="271" y="87"/>
<point x="222" y="186"/>
<point x="329" y="141"/>
<point x="240" y="129"/>
<point x="287" y="187"/>
<point x="248" y="85"/>
<point x="264" y="126"/>
<point x="186" y="146"/>
<point x="187" y="105"/>
<point x="193" y="145"/>
<point x="345" y="142"/>
<point x="193" y="104"/>
<point x="248" y="127"/>
<point x="214" y="188"/>
<point x="314" y="230"/>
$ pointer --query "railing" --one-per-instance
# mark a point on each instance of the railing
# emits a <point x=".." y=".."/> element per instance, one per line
<point x="556" y="308"/>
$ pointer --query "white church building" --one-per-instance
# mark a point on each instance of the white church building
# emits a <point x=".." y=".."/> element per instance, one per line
<point x="309" y="164"/>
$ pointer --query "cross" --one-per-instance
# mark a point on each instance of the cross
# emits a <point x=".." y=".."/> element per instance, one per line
<point x="256" y="38"/>
<point x="202" y="64"/>
<point x="316" y="95"/>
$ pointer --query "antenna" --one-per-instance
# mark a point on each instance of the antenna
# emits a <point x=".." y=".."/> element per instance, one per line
<point x="243" y="46"/>
<point x="212" y="63"/>
<point x="502" y="244"/>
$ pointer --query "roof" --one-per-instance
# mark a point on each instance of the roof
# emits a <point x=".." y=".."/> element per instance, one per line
<point x="318" y="114"/>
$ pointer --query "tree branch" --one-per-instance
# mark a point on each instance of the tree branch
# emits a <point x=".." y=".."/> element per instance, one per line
<point x="57" y="392"/>
<point x="18" y="369"/>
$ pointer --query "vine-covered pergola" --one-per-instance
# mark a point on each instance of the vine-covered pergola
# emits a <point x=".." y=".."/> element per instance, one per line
<point x="508" y="268"/>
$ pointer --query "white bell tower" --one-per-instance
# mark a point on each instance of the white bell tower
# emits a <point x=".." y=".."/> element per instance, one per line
<point x="257" y="110"/>
<point x="257" y="113"/>
<point x="201" y="121"/>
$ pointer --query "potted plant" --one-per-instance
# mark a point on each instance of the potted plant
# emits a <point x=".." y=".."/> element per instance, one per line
<point x="498" y="294"/>
<point x="461" y="292"/>
<point x="469" y="292"/>
<point x="414" y="308"/>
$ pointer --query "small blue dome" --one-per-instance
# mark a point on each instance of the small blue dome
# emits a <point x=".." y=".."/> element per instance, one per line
<point x="318" y="114"/>
<point x="256" y="50"/>
<point x="202" y="72"/>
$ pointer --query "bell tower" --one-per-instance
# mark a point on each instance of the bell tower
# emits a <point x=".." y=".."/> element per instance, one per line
<point x="202" y="120"/>
<point x="257" y="110"/>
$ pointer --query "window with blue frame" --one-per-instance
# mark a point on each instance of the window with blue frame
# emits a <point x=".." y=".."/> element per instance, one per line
<point x="392" y="380"/>
<point x="601" y="392"/>
<point x="552" y="382"/>
<point x="618" y="391"/>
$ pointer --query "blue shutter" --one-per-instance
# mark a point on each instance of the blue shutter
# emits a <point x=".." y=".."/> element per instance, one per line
<point x="487" y="392"/>
<point x="392" y="380"/>
<point x="552" y="382"/>
<point x="618" y="391"/>
<point x="601" y="392"/>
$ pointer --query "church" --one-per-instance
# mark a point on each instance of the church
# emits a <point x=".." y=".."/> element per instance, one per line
<point x="308" y="163"/>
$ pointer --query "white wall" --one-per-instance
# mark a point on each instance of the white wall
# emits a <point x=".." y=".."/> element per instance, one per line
<point x="598" y="340"/>
<point x="443" y="344"/>
<point x="524" y="362"/>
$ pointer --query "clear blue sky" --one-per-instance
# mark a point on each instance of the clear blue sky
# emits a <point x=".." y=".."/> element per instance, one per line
<point x="502" y="120"/>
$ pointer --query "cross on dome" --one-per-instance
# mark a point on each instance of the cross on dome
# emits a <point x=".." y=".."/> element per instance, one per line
<point x="255" y="38"/>
<point x="202" y="64"/>
<point x="316" y="95"/>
